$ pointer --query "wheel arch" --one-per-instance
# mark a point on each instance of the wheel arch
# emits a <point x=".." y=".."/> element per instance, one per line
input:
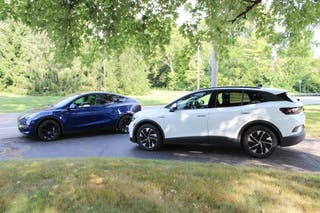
<point x="260" y="123"/>
<point x="49" y="118"/>
<point x="140" y="123"/>
<point x="121" y="116"/>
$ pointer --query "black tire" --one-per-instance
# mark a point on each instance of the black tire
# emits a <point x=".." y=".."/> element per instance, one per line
<point x="49" y="130"/>
<point x="259" y="141"/>
<point x="149" y="137"/>
<point x="123" y="124"/>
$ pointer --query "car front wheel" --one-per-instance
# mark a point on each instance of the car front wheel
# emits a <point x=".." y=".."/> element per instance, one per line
<point x="49" y="130"/>
<point x="149" y="137"/>
<point x="259" y="141"/>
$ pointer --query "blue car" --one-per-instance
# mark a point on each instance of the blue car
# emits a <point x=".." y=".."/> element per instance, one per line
<point x="84" y="112"/>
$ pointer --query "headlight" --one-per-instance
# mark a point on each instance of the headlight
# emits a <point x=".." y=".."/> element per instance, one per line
<point x="30" y="116"/>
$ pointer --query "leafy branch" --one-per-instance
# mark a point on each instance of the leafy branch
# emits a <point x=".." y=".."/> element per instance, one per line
<point x="244" y="13"/>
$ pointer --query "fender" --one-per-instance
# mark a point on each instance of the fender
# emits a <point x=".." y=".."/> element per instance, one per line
<point x="49" y="118"/>
<point x="146" y="121"/>
<point x="124" y="114"/>
<point x="260" y="122"/>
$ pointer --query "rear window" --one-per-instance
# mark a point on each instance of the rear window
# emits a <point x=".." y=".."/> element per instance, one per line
<point x="284" y="96"/>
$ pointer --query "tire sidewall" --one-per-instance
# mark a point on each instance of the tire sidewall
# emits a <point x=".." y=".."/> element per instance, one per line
<point x="256" y="128"/>
<point x="156" y="130"/>
<point x="45" y="122"/>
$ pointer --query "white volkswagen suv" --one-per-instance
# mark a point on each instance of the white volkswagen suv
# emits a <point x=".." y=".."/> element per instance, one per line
<point x="259" y="119"/>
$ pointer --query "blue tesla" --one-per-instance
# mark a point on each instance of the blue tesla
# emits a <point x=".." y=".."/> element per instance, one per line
<point x="84" y="112"/>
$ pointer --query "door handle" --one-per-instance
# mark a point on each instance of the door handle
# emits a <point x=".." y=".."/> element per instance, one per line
<point x="201" y="116"/>
<point x="245" y="113"/>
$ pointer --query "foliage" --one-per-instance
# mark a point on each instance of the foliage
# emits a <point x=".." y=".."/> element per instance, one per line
<point x="25" y="59"/>
<point x="28" y="66"/>
<point x="147" y="24"/>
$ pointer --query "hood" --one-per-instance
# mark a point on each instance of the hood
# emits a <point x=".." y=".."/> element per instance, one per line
<point x="35" y="112"/>
<point x="151" y="112"/>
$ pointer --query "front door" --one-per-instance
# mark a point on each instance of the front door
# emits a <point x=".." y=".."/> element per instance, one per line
<point x="190" y="118"/>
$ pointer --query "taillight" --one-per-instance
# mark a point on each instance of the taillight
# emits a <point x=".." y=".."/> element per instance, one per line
<point x="138" y="108"/>
<point x="291" y="110"/>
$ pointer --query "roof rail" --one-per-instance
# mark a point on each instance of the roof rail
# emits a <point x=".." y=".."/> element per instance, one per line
<point x="233" y="87"/>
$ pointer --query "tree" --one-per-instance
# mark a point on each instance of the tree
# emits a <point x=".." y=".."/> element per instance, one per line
<point x="115" y="24"/>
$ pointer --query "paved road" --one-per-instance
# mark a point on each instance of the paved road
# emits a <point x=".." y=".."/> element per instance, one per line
<point x="309" y="99"/>
<point x="13" y="145"/>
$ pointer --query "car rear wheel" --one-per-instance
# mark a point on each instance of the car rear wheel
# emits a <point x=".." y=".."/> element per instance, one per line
<point x="149" y="137"/>
<point x="123" y="124"/>
<point x="259" y="141"/>
<point x="49" y="130"/>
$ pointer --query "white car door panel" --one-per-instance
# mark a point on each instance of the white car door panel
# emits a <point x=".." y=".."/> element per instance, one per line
<point x="186" y="123"/>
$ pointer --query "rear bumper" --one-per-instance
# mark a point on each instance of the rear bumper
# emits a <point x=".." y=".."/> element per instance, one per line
<point x="294" y="139"/>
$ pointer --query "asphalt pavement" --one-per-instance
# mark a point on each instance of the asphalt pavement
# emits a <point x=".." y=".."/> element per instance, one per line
<point x="304" y="156"/>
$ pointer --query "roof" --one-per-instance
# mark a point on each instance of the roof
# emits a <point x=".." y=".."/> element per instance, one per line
<point x="274" y="91"/>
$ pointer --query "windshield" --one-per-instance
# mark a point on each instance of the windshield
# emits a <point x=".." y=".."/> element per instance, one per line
<point x="65" y="101"/>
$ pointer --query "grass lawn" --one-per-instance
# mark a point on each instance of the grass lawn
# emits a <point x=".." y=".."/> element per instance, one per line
<point x="127" y="185"/>
<point x="312" y="113"/>
<point x="18" y="103"/>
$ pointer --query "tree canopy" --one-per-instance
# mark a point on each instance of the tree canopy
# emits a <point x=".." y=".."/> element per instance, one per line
<point x="147" y="24"/>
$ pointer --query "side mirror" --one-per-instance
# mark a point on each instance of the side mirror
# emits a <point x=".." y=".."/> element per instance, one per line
<point x="173" y="107"/>
<point x="73" y="106"/>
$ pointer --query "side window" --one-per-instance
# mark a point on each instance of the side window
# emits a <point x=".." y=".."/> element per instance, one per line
<point x="198" y="100"/>
<point x="118" y="99"/>
<point x="229" y="99"/>
<point x="86" y="101"/>
<point x="103" y="99"/>
<point x="260" y="97"/>
<point x="245" y="98"/>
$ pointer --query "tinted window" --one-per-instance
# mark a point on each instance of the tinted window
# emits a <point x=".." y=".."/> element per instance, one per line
<point x="229" y="98"/>
<point x="284" y="97"/>
<point x="103" y="99"/>
<point x="118" y="98"/>
<point x="85" y="101"/>
<point x="198" y="100"/>
<point x="260" y="97"/>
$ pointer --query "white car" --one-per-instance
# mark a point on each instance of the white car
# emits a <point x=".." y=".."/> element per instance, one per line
<point x="259" y="119"/>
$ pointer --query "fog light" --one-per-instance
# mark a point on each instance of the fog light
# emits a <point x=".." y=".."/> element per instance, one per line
<point x="298" y="128"/>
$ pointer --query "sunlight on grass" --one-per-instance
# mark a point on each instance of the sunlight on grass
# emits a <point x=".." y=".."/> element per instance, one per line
<point x="312" y="113"/>
<point x="128" y="185"/>
<point x="17" y="103"/>
<point x="159" y="97"/>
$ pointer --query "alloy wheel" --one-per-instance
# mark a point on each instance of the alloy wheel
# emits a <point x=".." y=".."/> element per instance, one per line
<point x="260" y="142"/>
<point x="49" y="130"/>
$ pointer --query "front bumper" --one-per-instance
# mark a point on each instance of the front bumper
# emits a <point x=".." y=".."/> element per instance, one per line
<point x="26" y="129"/>
<point x="294" y="139"/>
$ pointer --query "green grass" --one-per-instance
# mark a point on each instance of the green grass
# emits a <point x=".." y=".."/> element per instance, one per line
<point x="127" y="185"/>
<point x="159" y="97"/>
<point x="19" y="103"/>
<point x="312" y="113"/>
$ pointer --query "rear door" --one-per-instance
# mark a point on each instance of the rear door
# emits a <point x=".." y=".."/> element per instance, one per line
<point x="232" y="110"/>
